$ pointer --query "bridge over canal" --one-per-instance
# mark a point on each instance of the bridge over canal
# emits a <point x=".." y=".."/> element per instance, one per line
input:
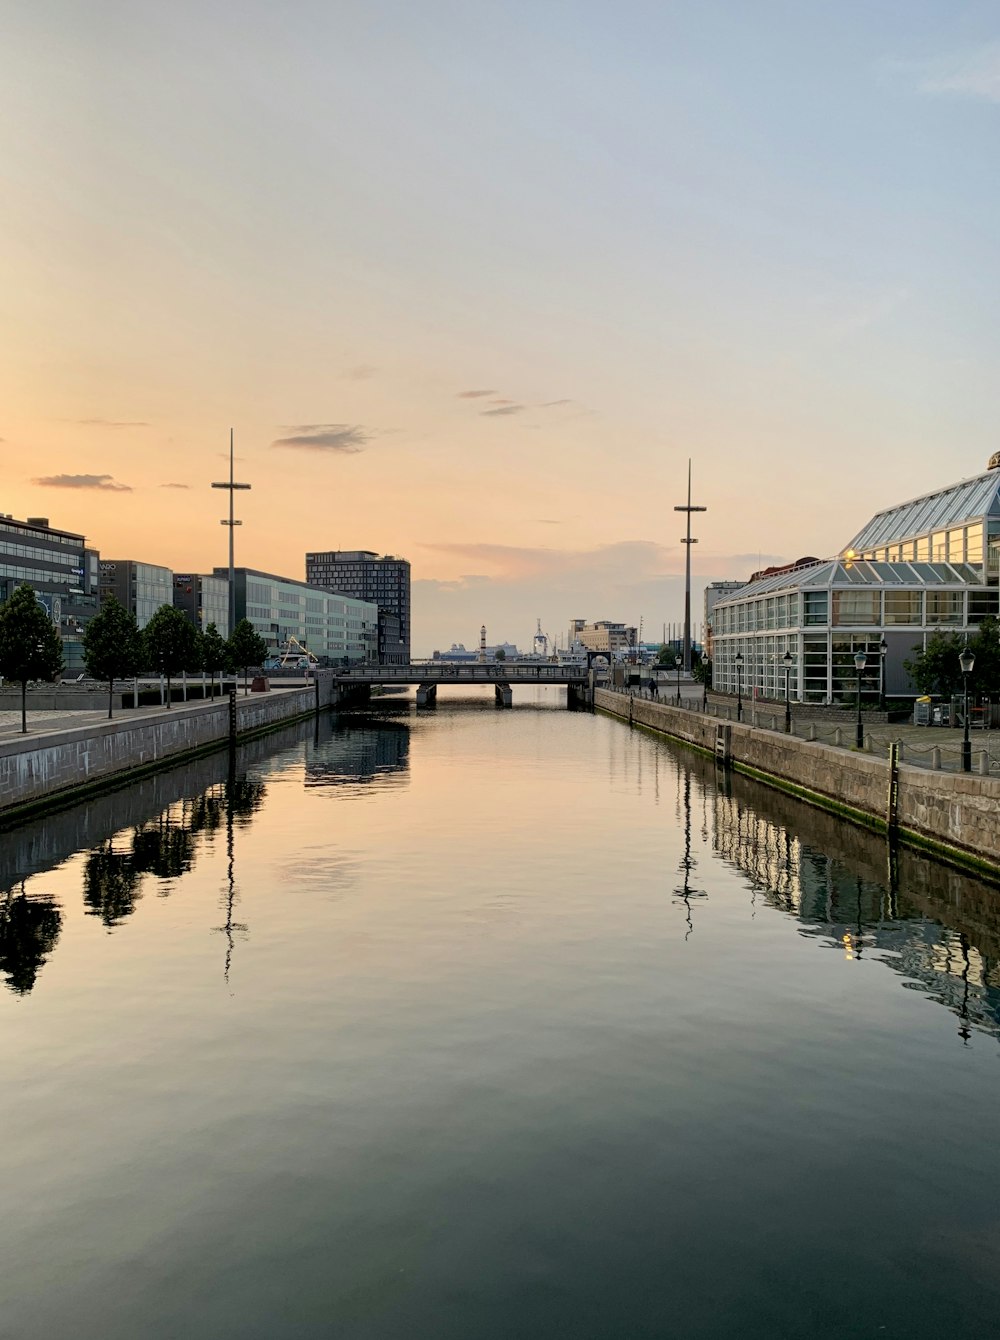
<point x="429" y="677"/>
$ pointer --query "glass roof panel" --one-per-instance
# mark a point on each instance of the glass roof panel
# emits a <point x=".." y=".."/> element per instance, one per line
<point x="969" y="500"/>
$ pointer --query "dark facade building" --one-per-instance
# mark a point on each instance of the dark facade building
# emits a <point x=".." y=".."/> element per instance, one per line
<point x="204" y="599"/>
<point x="140" y="587"/>
<point x="60" y="569"/>
<point x="380" y="580"/>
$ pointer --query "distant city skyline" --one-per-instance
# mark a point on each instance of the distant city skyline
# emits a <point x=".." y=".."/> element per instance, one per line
<point x="472" y="283"/>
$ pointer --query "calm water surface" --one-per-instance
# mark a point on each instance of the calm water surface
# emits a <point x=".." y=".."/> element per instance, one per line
<point x="490" y="1024"/>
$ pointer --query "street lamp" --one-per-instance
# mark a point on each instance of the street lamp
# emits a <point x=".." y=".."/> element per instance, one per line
<point x="786" y="661"/>
<point x="739" y="685"/>
<point x="859" y="732"/>
<point x="966" y="660"/>
<point x="883" y="647"/>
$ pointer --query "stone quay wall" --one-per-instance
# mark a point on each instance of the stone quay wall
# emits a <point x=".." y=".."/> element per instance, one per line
<point x="33" y="770"/>
<point x="955" y="814"/>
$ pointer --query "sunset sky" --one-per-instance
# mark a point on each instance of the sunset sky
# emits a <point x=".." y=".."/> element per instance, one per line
<point x="472" y="280"/>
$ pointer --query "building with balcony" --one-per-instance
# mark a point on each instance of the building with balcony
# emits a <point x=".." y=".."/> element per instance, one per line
<point x="925" y="565"/>
<point x="364" y="575"/>
<point x="335" y="628"/>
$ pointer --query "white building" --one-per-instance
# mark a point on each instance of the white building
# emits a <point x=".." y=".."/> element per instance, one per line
<point x="928" y="564"/>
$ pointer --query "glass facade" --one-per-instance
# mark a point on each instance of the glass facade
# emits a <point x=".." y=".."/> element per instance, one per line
<point x="383" y="581"/>
<point x="204" y="600"/>
<point x="140" y="587"/>
<point x="60" y="569"/>
<point x="333" y="627"/>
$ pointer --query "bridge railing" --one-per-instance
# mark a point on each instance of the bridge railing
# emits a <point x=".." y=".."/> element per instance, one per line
<point x="474" y="673"/>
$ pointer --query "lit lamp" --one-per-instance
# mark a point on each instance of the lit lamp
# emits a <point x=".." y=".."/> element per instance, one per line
<point x="883" y="647"/>
<point x="859" y="732"/>
<point x="966" y="660"/>
<point x="786" y="661"/>
<point x="739" y="685"/>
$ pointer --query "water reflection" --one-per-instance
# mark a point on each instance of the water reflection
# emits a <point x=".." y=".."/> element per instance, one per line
<point x="29" y="929"/>
<point x="937" y="927"/>
<point x="688" y="863"/>
<point x="354" y="750"/>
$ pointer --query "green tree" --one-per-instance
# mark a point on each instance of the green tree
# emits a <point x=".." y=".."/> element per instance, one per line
<point x="246" y="648"/>
<point x="112" y="646"/>
<point x="701" y="671"/>
<point x="171" y="643"/>
<point x="935" y="667"/>
<point x="499" y="654"/>
<point x="214" y="652"/>
<point x="985" y="645"/>
<point x="666" y="657"/>
<point x="29" y="644"/>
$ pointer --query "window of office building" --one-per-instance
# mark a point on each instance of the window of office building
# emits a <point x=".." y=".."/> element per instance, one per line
<point x="851" y="608"/>
<point x="945" y="607"/>
<point x="902" y="607"/>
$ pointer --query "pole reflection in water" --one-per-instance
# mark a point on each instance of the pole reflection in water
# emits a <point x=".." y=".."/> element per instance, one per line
<point x="688" y="863"/>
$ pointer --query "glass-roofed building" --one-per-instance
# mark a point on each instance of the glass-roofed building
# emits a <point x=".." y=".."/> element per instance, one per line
<point x="932" y="563"/>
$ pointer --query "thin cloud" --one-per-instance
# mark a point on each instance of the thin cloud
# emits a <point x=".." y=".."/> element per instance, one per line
<point x="340" y="438"/>
<point x="472" y="395"/>
<point x="502" y="409"/>
<point x="113" y="423"/>
<point x="175" y="486"/>
<point x="972" y="73"/>
<point x="551" y="404"/>
<point x="547" y="521"/>
<point x="106" y="483"/>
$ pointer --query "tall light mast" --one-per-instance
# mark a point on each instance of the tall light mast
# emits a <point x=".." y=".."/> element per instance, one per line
<point x="232" y="486"/>
<point x="688" y="542"/>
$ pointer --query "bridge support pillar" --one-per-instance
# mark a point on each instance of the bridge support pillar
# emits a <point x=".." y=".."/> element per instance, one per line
<point x="427" y="695"/>
<point x="505" y="694"/>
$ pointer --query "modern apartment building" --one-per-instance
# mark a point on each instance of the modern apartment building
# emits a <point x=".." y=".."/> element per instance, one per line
<point x="363" y="574"/>
<point x="140" y="587"/>
<point x="60" y="569"/>
<point x="333" y="627"/>
<point x="204" y="599"/>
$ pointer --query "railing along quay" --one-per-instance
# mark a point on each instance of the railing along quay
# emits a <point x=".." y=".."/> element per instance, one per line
<point x="943" y="757"/>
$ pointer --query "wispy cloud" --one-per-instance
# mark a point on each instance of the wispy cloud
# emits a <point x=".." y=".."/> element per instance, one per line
<point x="106" y="483"/>
<point x="501" y="409"/>
<point x="972" y="73"/>
<point x="113" y="423"/>
<point x="472" y="395"/>
<point x="551" y="404"/>
<point x="175" y="486"/>
<point x="344" y="438"/>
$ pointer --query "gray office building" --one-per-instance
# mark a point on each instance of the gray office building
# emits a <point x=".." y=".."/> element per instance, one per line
<point x="62" y="572"/>
<point x="335" y="628"/>
<point x="140" y="587"/>
<point x="204" y="599"/>
<point x="380" y="580"/>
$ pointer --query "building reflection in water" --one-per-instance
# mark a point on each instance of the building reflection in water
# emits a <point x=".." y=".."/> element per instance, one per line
<point x="938" y="928"/>
<point x="358" y="750"/>
<point x="29" y="929"/>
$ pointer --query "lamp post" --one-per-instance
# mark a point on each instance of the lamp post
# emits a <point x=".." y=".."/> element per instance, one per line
<point x="706" y="667"/>
<point x="883" y="647"/>
<point x="687" y="541"/>
<point x="232" y="486"/>
<point x="678" y="681"/>
<point x="966" y="660"/>
<point x="786" y="661"/>
<point x="859" y="733"/>
<point x="739" y="685"/>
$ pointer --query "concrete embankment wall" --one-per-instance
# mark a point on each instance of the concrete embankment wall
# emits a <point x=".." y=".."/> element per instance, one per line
<point x="955" y="814"/>
<point x="61" y="764"/>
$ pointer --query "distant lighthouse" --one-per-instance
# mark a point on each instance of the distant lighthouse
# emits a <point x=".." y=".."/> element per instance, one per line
<point x="482" y="643"/>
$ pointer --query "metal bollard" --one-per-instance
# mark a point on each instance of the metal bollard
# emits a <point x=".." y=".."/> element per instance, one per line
<point x="936" y="759"/>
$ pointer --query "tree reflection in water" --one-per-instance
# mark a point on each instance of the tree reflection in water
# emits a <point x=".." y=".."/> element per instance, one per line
<point x="29" y="929"/>
<point x="111" y="883"/>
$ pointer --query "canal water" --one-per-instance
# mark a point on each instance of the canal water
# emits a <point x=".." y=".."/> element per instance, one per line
<point x="470" y="1023"/>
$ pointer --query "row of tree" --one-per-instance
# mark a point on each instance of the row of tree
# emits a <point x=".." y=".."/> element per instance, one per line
<point x="114" y="647"/>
